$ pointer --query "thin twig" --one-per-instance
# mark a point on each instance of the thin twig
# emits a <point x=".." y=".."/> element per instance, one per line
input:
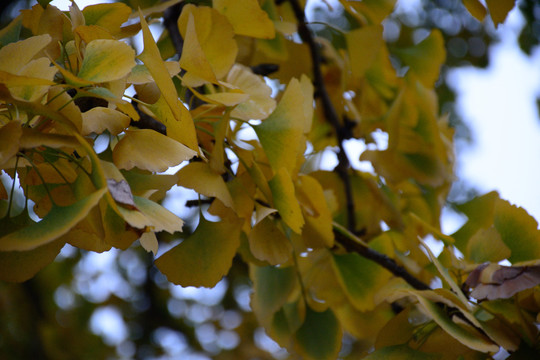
<point x="352" y="243"/>
<point x="329" y="111"/>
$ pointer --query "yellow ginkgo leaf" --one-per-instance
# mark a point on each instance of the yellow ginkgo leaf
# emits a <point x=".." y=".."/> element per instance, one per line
<point x="260" y="103"/>
<point x="106" y="60"/>
<point x="205" y="256"/>
<point x="268" y="243"/>
<point x="363" y="45"/>
<point x="141" y="75"/>
<point x="149" y="242"/>
<point x="149" y="150"/>
<point x="99" y="119"/>
<point x="280" y="134"/>
<point x="180" y="127"/>
<point x="209" y="45"/>
<point x="108" y="16"/>
<point x="9" y="140"/>
<point x="200" y="177"/>
<point x="285" y="200"/>
<point x="246" y="17"/>
<point x="14" y="56"/>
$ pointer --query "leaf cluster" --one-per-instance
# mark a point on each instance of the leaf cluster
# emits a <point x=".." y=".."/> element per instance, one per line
<point x="248" y="101"/>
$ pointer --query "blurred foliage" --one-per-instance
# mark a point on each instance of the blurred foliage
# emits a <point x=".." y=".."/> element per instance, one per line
<point x="54" y="314"/>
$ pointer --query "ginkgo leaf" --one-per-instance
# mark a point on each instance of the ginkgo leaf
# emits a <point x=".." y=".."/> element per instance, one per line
<point x="260" y="103"/>
<point x="425" y="58"/>
<point x="106" y="60"/>
<point x="108" y="16"/>
<point x="319" y="337"/>
<point x="375" y="10"/>
<point x="518" y="230"/>
<point x="400" y="352"/>
<point x="476" y="9"/>
<point x="205" y="256"/>
<point x="99" y="119"/>
<point x="317" y="231"/>
<point x="193" y="58"/>
<point x="141" y="75"/>
<point x="279" y="134"/>
<point x="499" y="9"/>
<point x="209" y="47"/>
<point x="285" y="201"/>
<point x="491" y="281"/>
<point x="202" y="178"/>
<point x="360" y="279"/>
<point x="9" y="140"/>
<point x="57" y="222"/>
<point x="121" y="193"/>
<point x="160" y="219"/>
<point x="11" y="32"/>
<point x="364" y="45"/>
<point x="19" y="266"/>
<point x="180" y="126"/>
<point x="466" y="335"/>
<point x="247" y="18"/>
<point x="268" y="243"/>
<point x="149" y="150"/>
<point x="25" y="50"/>
<point x="149" y="242"/>
<point x="272" y="287"/>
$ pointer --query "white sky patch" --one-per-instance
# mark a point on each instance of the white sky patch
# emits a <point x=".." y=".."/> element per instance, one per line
<point x="498" y="104"/>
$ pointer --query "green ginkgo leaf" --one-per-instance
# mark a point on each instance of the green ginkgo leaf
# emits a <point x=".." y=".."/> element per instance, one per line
<point x="57" y="222"/>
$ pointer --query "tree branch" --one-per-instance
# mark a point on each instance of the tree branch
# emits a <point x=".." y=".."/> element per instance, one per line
<point x="352" y="243"/>
<point x="328" y="108"/>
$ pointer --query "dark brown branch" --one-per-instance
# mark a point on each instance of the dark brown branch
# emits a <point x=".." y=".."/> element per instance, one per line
<point x="328" y="108"/>
<point x="350" y="244"/>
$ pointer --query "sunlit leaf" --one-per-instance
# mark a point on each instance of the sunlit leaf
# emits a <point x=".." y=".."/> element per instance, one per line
<point x="200" y="177"/>
<point x="108" y="16"/>
<point x="180" y="127"/>
<point x="280" y="132"/>
<point x="149" y="150"/>
<point x="317" y="231"/>
<point x="149" y="242"/>
<point x="247" y="18"/>
<point x="99" y="119"/>
<point x="141" y="75"/>
<point x="106" y="60"/>
<point x="204" y="257"/>
<point x="57" y="222"/>
<point x="209" y="47"/>
<point x="285" y="201"/>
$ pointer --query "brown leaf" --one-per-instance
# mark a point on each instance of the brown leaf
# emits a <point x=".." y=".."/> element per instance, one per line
<point x="493" y="281"/>
<point x="121" y="193"/>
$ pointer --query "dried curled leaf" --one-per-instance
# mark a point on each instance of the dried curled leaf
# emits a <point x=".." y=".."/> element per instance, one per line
<point x="492" y="281"/>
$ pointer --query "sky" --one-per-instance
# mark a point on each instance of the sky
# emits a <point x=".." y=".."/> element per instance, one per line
<point x="498" y="104"/>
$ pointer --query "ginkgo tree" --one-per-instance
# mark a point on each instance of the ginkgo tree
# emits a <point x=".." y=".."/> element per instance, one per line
<point x="246" y="98"/>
